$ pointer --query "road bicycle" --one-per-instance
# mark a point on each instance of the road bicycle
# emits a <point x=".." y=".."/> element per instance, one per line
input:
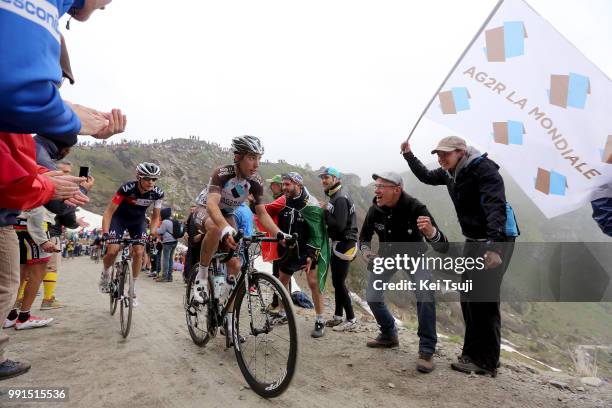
<point x="121" y="285"/>
<point x="264" y="338"/>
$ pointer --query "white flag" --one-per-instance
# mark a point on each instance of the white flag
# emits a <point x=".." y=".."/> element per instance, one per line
<point x="536" y="104"/>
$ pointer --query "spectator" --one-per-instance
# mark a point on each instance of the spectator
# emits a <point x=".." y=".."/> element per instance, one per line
<point x="31" y="103"/>
<point x="194" y="243"/>
<point x="393" y="216"/>
<point x="165" y="230"/>
<point x="36" y="248"/>
<point x="341" y="222"/>
<point x="478" y="193"/>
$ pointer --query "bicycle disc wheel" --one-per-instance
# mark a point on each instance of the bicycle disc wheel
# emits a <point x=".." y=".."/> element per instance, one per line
<point x="113" y="290"/>
<point x="126" y="298"/>
<point x="196" y="314"/>
<point x="268" y="356"/>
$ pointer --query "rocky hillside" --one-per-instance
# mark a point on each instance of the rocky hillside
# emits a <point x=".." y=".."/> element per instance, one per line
<point x="186" y="165"/>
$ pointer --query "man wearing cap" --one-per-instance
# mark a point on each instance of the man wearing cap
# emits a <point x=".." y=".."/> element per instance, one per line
<point x="303" y="215"/>
<point x="341" y="221"/>
<point x="403" y="226"/>
<point x="478" y="194"/>
<point x="269" y="250"/>
<point x="276" y="186"/>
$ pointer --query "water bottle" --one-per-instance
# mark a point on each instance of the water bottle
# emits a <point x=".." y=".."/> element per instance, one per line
<point x="219" y="283"/>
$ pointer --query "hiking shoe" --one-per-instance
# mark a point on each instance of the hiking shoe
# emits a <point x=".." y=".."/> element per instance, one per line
<point x="348" y="325"/>
<point x="470" y="367"/>
<point x="467" y="359"/>
<point x="318" y="331"/>
<point x="52" y="303"/>
<point x="383" y="342"/>
<point x="425" y="363"/>
<point x="279" y="319"/>
<point x="199" y="292"/>
<point x="33" y="322"/>
<point x="103" y="285"/>
<point x="9" y="323"/>
<point x="274" y="310"/>
<point x="10" y="369"/>
<point x="335" y="321"/>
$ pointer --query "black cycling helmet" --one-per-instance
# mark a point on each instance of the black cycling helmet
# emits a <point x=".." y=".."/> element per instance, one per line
<point x="247" y="144"/>
<point x="146" y="169"/>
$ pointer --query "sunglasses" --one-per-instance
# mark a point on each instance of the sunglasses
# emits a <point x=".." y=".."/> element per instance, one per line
<point x="149" y="178"/>
<point x="380" y="186"/>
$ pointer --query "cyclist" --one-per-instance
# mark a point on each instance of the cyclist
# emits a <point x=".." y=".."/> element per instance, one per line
<point x="228" y="188"/>
<point x="127" y="212"/>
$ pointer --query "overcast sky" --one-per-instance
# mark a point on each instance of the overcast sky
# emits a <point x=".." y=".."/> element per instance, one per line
<point x="332" y="82"/>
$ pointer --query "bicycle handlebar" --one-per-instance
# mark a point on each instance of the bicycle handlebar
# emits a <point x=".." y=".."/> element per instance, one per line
<point x="258" y="238"/>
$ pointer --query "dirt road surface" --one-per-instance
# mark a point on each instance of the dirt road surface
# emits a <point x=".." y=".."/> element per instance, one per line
<point x="159" y="366"/>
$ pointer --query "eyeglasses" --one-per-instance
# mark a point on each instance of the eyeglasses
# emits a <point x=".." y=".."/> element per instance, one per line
<point x="381" y="186"/>
<point x="149" y="178"/>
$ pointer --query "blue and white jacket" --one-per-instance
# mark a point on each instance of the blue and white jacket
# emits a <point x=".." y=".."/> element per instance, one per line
<point x="30" y="71"/>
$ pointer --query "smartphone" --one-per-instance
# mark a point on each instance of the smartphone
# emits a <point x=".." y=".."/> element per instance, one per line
<point x="84" y="171"/>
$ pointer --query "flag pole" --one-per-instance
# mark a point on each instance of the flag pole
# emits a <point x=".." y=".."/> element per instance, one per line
<point x="497" y="6"/>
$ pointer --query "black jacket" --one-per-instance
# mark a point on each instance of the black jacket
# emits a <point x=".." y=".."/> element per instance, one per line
<point x="192" y="231"/>
<point x="340" y="216"/>
<point x="291" y="221"/>
<point x="399" y="225"/>
<point x="477" y="192"/>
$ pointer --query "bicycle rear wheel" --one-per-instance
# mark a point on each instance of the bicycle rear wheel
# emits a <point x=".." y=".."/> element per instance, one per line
<point x="196" y="314"/>
<point x="113" y="289"/>
<point x="268" y="356"/>
<point x="126" y="294"/>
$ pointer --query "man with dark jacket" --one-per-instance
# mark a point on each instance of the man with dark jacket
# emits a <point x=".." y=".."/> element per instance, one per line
<point x="302" y="215"/>
<point x="478" y="194"/>
<point x="341" y="221"/>
<point x="403" y="226"/>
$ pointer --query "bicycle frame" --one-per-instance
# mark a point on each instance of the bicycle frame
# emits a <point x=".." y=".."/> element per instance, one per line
<point x="243" y="277"/>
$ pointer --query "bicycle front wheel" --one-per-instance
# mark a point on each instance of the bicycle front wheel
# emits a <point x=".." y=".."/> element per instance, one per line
<point x="268" y="355"/>
<point x="126" y="298"/>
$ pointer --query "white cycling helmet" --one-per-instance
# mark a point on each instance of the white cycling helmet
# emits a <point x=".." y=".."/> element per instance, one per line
<point x="247" y="144"/>
<point x="146" y="169"/>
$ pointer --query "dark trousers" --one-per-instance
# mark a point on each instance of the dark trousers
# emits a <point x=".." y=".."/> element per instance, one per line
<point x="156" y="262"/>
<point x="191" y="259"/>
<point x="339" y="272"/>
<point x="481" y="310"/>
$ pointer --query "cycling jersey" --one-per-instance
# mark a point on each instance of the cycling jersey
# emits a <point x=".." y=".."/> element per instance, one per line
<point x="132" y="204"/>
<point x="131" y="210"/>
<point x="233" y="189"/>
